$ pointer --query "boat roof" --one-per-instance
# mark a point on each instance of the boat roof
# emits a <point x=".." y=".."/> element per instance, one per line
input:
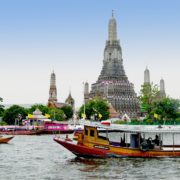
<point x="172" y="129"/>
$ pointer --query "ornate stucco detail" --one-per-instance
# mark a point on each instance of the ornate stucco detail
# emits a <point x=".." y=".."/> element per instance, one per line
<point x="52" y="89"/>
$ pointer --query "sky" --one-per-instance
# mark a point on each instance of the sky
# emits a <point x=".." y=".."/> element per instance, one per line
<point x="68" y="36"/>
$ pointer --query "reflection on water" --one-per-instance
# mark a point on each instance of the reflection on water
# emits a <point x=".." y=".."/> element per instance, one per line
<point x="39" y="157"/>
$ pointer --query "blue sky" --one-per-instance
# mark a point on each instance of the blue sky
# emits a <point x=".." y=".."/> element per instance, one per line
<point x="37" y="36"/>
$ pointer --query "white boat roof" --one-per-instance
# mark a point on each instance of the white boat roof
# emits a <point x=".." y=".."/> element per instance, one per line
<point x="139" y="128"/>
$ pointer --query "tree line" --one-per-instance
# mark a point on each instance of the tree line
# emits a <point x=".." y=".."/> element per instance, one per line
<point x="158" y="109"/>
<point x="154" y="108"/>
<point x="97" y="109"/>
<point x="12" y="113"/>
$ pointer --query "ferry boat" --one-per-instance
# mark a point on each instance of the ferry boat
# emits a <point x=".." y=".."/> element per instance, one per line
<point x="58" y="128"/>
<point x="131" y="141"/>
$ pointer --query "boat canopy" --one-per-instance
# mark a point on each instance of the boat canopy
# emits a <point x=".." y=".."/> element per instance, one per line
<point x="173" y="129"/>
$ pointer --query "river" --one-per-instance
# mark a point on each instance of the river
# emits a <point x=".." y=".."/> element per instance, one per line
<point x="39" y="157"/>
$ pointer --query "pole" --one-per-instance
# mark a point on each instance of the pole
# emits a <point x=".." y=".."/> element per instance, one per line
<point x="107" y="86"/>
<point x="84" y="101"/>
<point x="173" y="142"/>
<point x="54" y="115"/>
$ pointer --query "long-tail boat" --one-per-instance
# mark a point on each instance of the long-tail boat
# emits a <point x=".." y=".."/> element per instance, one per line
<point x="131" y="141"/>
<point x="22" y="132"/>
<point x="5" y="139"/>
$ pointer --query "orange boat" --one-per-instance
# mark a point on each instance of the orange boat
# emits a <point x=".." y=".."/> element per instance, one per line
<point x="131" y="141"/>
<point x="5" y="139"/>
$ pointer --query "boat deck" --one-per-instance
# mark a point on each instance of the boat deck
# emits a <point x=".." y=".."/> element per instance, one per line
<point x="171" y="148"/>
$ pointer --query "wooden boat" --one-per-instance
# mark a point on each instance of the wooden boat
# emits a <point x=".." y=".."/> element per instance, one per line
<point x="22" y="132"/>
<point x="5" y="139"/>
<point x="131" y="141"/>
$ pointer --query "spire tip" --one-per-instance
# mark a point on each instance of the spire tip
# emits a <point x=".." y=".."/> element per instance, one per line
<point x="112" y="13"/>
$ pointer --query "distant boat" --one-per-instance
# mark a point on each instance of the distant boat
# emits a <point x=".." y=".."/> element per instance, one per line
<point x="131" y="141"/>
<point x="57" y="127"/>
<point x="5" y="139"/>
<point x="22" y="132"/>
<point x="107" y="122"/>
<point x="47" y="128"/>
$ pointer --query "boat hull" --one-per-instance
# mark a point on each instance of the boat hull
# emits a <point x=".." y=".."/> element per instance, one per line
<point x="58" y="131"/>
<point x="102" y="151"/>
<point x="5" y="139"/>
<point x="80" y="150"/>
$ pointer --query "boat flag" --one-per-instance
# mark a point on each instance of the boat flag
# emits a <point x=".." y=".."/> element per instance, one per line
<point x="47" y="115"/>
<point x="30" y="116"/>
<point x="100" y="115"/>
<point x="156" y="116"/>
<point x="83" y="115"/>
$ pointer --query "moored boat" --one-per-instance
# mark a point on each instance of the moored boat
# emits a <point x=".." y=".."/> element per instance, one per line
<point x="22" y="132"/>
<point x="58" y="128"/>
<point x="5" y="139"/>
<point x="130" y="142"/>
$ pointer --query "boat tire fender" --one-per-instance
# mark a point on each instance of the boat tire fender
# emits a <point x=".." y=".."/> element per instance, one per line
<point x="144" y="146"/>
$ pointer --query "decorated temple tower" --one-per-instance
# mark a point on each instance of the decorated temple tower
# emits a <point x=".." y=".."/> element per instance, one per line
<point x="162" y="88"/>
<point x="112" y="83"/>
<point x="146" y="76"/>
<point x="86" y="92"/>
<point x="52" y="91"/>
<point x="70" y="101"/>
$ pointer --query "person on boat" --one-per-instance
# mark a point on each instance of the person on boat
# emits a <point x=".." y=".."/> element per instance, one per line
<point x="150" y="143"/>
<point x="156" y="140"/>
<point x="67" y="138"/>
<point x="140" y="138"/>
<point x="122" y="143"/>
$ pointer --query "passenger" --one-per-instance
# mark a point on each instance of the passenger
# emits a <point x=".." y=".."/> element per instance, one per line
<point x="122" y="143"/>
<point x="141" y="139"/>
<point x="156" y="140"/>
<point x="150" y="144"/>
<point x="67" y="138"/>
<point x="149" y="140"/>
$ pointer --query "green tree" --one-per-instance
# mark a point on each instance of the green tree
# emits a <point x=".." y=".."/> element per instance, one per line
<point x="95" y="107"/>
<point x="68" y="111"/>
<point x="44" y="109"/>
<point x="1" y="107"/>
<point x="149" y="94"/>
<point x="166" y="108"/>
<point x="13" y="113"/>
<point x="56" y="114"/>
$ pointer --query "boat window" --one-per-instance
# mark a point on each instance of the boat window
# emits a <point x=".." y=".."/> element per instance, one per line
<point x="92" y="133"/>
<point x="86" y="131"/>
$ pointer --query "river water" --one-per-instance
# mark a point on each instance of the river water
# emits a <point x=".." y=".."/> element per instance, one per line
<point x="39" y="157"/>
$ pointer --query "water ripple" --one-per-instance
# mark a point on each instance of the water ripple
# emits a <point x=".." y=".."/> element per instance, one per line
<point x="39" y="157"/>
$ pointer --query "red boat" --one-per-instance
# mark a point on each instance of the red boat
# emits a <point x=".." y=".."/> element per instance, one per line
<point x="132" y="142"/>
<point x="23" y="132"/>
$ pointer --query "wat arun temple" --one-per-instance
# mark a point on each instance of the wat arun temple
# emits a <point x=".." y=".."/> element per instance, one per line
<point x="113" y="83"/>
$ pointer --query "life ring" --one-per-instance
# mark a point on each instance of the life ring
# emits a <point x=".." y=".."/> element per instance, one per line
<point x="144" y="146"/>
